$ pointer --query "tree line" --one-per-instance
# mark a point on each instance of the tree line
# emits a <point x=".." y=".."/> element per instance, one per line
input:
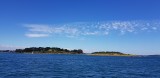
<point x="108" y="52"/>
<point x="49" y="50"/>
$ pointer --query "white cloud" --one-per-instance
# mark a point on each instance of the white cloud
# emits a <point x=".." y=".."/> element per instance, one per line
<point x="35" y="28"/>
<point x="106" y="33"/>
<point x="144" y="28"/>
<point x="38" y="28"/>
<point x="154" y="28"/>
<point x="91" y="28"/>
<point x="37" y="35"/>
<point x="10" y="47"/>
<point x="91" y="33"/>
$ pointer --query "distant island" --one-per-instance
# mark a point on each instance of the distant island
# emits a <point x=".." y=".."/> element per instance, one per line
<point x="56" y="50"/>
<point x="110" y="53"/>
<point x="50" y="50"/>
<point x="7" y="50"/>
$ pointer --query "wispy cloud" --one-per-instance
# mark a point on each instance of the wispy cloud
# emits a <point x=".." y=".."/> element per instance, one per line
<point x="92" y="28"/>
<point x="37" y="35"/>
<point x="10" y="47"/>
<point x="38" y="28"/>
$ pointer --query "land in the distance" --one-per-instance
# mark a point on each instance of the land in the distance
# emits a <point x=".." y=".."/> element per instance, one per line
<point x="110" y="53"/>
<point x="56" y="50"/>
<point x="49" y="50"/>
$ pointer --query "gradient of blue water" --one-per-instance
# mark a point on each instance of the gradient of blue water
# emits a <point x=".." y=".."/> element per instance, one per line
<point x="77" y="66"/>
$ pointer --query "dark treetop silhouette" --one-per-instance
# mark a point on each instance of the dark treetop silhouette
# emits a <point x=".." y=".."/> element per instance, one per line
<point x="54" y="50"/>
<point x="110" y="53"/>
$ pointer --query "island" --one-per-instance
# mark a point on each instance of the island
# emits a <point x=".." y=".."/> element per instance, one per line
<point x="56" y="50"/>
<point x="110" y="53"/>
<point x="49" y="50"/>
<point x="6" y="50"/>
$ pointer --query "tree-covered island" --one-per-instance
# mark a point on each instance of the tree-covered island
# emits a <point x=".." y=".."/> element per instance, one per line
<point x="110" y="53"/>
<point x="56" y="50"/>
<point x="51" y="50"/>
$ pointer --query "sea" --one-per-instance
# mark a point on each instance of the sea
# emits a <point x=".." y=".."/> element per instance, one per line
<point x="14" y="65"/>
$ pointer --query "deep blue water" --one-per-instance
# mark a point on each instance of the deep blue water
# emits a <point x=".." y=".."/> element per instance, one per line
<point x="77" y="66"/>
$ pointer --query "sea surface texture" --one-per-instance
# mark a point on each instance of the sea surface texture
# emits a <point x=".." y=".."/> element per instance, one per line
<point x="14" y="65"/>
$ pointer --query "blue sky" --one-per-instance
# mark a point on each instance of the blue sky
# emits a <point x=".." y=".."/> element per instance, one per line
<point x="129" y="26"/>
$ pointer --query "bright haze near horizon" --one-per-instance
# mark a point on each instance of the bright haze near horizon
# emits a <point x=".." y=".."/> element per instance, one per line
<point x="128" y="26"/>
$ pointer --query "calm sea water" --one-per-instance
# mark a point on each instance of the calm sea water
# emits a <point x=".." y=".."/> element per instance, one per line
<point x="77" y="66"/>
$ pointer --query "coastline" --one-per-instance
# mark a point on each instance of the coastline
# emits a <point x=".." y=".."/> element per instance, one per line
<point x="110" y="55"/>
<point x="87" y="54"/>
<point x="46" y="53"/>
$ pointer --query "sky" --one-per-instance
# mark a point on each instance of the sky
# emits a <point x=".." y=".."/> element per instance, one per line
<point x="128" y="26"/>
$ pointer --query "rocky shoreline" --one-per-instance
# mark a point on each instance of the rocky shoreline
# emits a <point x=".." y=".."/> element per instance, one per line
<point x="110" y="53"/>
